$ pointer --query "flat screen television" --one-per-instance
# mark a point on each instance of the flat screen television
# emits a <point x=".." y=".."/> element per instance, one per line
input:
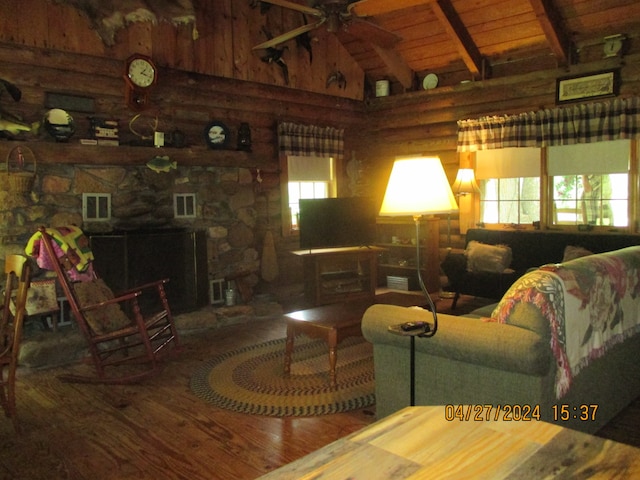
<point x="337" y="222"/>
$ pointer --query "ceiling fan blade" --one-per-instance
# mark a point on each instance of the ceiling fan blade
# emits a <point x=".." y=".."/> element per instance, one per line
<point x="370" y="32"/>
<point x="295" y="6"/>
<point x="370" y="8"/>
<point x="285" y="37"/>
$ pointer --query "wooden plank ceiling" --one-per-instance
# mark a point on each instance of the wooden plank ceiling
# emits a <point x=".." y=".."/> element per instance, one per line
<point x="472" y="36"/>
<point x="462" y="39"/>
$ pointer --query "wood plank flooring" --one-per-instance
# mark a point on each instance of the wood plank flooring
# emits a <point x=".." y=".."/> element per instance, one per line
<point x="160" y="430"/>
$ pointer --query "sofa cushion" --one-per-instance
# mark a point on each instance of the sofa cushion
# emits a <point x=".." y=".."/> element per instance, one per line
<point x="482" y="257"/>
<point x="571" y="252"/>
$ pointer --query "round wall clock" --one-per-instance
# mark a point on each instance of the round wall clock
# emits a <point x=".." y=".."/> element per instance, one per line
<point x="141" y="71"/>
<point x="140" y="75"/>
<point x="216" y="134"/>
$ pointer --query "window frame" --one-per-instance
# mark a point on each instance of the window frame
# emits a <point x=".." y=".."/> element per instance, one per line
<point x="181" y="200"/>
<point x="287" y="228"/>
<point x="547" y="204"/>
<point x="96" y="197"/>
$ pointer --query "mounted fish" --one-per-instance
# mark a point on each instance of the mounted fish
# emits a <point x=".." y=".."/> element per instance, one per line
<point x="161" y="164"/>
<point x="13" y="128"/>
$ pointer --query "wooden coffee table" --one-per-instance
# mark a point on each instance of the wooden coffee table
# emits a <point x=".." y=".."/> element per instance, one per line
<point x="332" y="323"/>
<point x="427" y="442"/>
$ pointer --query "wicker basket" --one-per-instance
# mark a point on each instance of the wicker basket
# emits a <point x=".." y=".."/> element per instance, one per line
<point x="19" y="178"/>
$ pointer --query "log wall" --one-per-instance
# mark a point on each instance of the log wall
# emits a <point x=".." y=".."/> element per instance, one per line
<point x="217" y="77"/>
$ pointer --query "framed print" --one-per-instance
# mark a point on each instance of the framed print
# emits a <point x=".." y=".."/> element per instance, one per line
<point x="585" y="87"/>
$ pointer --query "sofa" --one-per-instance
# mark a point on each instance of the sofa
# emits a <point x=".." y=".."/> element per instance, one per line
<point x="527" y="249"/>
<point x="562" y="340"/>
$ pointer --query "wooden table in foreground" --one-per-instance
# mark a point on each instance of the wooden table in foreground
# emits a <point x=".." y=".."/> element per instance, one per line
<point x="420" y="443"/>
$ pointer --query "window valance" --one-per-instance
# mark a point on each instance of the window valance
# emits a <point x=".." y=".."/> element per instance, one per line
<point x="310" y="140"/>
<point x="584" y="123"/>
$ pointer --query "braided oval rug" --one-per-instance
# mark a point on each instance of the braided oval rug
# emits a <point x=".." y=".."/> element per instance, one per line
<point x="251" y="379"/>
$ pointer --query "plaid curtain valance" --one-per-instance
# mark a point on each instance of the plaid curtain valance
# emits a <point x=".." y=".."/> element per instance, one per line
<point x="584" y="123"/>
<point x="310" y="140"/>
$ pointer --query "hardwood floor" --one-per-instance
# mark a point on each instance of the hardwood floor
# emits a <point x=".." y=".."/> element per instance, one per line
<point x="160" y="430"/>
<point x="157" y="430"/>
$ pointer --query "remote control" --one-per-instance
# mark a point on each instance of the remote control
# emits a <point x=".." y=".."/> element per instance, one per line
<point x="409" y="326"/>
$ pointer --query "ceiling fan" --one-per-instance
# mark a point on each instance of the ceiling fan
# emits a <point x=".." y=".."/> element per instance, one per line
<point x="342" y="16"/>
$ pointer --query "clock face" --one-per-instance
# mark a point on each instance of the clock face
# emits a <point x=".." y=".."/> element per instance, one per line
<point x="430" y="81"/>
<point x="141" y="72"/>
<point x="612" y="47"/>
<point x="216" y="134"/>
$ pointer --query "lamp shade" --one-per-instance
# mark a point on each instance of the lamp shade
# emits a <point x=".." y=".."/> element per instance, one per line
<point x="465" y="182"/>
<point x="418" y="186"/>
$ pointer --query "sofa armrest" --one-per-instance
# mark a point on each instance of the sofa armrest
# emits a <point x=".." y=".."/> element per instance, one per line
<point x="495" y="345"/>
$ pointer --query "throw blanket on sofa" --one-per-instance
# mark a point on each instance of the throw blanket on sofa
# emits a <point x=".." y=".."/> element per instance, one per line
<point x="591" y="303"/>
<point x="70" y="242"/>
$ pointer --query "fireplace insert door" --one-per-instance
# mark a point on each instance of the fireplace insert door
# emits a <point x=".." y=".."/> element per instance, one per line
<point x="127" y="259"/>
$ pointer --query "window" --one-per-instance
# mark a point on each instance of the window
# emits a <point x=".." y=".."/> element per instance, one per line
<point x="309" y="177"/>
<point x="509" y="181"/>
<point x="96" y="207"/>
<point x="184" y="205"/>
<point x="591" y="183"/>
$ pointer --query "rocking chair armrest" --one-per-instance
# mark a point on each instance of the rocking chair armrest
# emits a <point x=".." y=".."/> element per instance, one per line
<point x="146" y="286"/>
<point x="116" y="300"/>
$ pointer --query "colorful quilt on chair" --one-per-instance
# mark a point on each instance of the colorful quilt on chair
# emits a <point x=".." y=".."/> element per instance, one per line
<point x="69" y="242"/>
<point x="591" y="303"/>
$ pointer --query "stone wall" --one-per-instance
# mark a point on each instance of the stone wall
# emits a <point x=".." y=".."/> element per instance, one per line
<point x="230" y="208"/>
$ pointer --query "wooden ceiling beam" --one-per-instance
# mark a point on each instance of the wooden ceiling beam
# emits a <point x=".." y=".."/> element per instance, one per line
<point x="396" y="66"/>
<point x="552" y="26"/>
<point x="468" y="50"/>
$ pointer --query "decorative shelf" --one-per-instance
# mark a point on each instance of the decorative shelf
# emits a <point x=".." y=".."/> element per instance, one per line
<point x="124" y="155"/>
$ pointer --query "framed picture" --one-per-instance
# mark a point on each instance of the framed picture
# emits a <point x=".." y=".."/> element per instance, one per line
<point x="586" y="87"/>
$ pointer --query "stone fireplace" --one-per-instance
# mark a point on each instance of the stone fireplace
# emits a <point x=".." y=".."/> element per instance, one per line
<point x="224" y="235"/>
<point x="143" y="240"/>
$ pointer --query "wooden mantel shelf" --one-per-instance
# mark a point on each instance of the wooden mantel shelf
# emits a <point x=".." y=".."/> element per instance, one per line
<point x="74" y="153"/>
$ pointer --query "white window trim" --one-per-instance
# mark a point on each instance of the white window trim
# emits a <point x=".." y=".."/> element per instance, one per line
<point x="180" y="201"/>
<point x="97" y="197"/>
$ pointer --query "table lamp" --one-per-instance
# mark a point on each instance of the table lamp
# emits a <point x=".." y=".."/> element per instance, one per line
<point x="418" y="186"/>
<point x="464" y="185"/>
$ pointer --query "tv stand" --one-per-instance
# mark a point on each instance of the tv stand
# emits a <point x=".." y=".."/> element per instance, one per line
<point x="333" y="275"/>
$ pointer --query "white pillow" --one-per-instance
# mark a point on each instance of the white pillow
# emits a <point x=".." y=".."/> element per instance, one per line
<point x="487" y="258"/>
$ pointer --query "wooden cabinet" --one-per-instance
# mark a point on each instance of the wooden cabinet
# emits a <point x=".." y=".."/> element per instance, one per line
<point x="334" y="275"/>
<point x="397" y="236"/>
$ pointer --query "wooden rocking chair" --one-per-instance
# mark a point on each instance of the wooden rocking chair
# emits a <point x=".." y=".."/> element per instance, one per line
<point x="119" y="333"/>
<point x="15" y="291"/>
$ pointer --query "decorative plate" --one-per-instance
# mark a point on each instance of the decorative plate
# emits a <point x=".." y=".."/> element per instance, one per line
<point x="216" y="134"/>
